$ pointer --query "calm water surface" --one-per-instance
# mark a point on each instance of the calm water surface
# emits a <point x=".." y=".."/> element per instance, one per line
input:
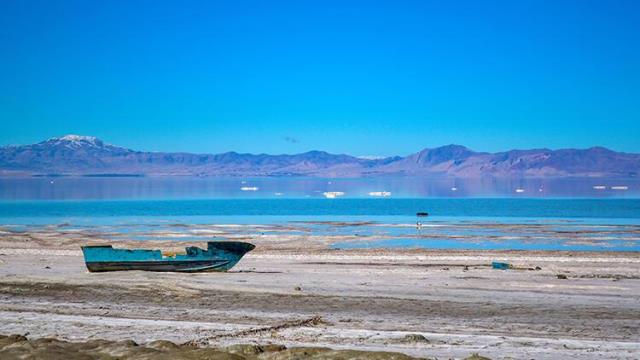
<point x="565" y="214"/>
<point x="85" y="188"/>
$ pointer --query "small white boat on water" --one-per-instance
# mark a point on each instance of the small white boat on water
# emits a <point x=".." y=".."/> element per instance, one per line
<point x="519" y="191"/>
<point x="599" y="187"/>
<point x="332" y="194"/>
<point x="249" y="188"/>
<point x="620" y="187"/>
<point x="380" y="193"/>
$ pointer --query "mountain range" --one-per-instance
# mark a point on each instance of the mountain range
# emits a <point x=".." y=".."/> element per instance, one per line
<point x="89" y="156"/>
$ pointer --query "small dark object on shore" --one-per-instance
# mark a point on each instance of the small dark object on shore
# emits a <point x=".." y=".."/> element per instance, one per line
<point x="414" y="338"/>
<point x="297" y="288"/>
<point x="561" y="276"/>
<point x="422" y="214"/>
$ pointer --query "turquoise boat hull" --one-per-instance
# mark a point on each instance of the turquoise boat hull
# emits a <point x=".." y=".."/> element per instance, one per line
<point x="219" y="256"/>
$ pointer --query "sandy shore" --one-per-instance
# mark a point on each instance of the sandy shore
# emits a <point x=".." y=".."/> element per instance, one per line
<point x="437" y="304"/>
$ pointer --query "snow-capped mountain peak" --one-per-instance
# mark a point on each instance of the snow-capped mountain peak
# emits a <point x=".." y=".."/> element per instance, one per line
<point x="77" y="141"/>
<point x="72" y="137"/>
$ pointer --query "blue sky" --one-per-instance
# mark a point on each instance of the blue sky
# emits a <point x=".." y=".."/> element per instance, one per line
<point x="364" y="78"/>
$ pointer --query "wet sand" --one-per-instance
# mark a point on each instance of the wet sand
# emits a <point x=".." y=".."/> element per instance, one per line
<point x="436" y="304"/>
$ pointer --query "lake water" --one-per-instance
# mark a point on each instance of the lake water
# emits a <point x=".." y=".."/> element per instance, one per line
<point x="83" y="188"/>
<point x="567" y="214"/>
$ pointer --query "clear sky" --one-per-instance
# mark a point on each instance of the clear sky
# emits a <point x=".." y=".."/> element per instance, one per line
<point x="357" y="77"/>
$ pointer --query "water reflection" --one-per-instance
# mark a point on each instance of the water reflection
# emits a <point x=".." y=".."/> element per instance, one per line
<point x="63" y="188"/>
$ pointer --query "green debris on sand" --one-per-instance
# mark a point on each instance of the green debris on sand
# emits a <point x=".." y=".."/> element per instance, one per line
<point x="20" y="347"/>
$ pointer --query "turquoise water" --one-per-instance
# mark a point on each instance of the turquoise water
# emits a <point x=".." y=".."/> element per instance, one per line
<point x="178" y="210"/>
<point x="611" y="245"/>
<point x="614" y="209"/>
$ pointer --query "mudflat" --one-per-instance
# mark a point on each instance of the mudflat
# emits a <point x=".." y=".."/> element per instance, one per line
<point x="421" y="303"/>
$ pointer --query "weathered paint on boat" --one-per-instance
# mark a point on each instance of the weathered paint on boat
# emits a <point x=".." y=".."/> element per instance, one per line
<point x="219" y="256"/>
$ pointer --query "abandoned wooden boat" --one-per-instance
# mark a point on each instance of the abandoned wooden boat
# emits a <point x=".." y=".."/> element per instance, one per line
<point x="219" y="256"/>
